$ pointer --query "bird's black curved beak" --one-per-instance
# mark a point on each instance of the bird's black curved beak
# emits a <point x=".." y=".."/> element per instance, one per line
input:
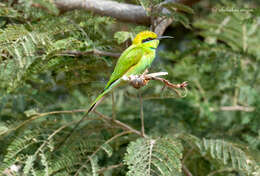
<point x="164" y="37"/>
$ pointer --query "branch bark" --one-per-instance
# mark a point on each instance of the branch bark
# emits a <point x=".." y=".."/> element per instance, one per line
<point x="109" y="168"/>
<point x="121" y="11"/>
<point x="234" y="108"/>
<point x="93" y="52"/>
<point x="138" y="81"/>
<point x="119" y="123"/>
<point x="186" y="171"/>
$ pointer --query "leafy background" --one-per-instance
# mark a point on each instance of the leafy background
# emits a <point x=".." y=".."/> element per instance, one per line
<point x="44" y="91"/>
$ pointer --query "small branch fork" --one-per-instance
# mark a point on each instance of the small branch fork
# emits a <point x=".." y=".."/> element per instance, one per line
<point x="138" y="81"/>
<point x="141" y="114"/>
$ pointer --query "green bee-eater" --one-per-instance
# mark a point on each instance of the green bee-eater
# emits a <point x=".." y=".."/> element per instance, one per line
<point x="133" y="61"/>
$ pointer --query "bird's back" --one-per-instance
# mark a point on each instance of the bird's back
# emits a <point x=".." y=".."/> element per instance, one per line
<point x="130" y="57"/>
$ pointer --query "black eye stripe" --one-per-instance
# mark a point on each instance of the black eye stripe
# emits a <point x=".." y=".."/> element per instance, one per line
<point x="147" y="39"/>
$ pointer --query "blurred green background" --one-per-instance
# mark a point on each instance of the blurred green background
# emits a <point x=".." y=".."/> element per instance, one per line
<point x="216" y="126"/>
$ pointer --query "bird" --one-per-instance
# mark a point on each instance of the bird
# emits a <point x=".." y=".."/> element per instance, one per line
<point x="133" y="61"/>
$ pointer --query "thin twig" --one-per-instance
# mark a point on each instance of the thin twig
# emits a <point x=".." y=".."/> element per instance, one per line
<point x="201" y="90"/>
<point x="109" y="168"/>
<point x="94" y="153"/>
<point x="187" y="155"/>
<point x="186" y="170"/>
<point x="84" y="53"/>
<point x="138" y="81"/>
<point x="141" y="114"/>
<point x="234" y="108"/>
<point x="51" y="136"/>
<point x="221" y="170"/>
<point x="73" y="130"/>
<point x="113" y="106"/>
<point x="37" y="116"/>
<point x="119" y="123"/>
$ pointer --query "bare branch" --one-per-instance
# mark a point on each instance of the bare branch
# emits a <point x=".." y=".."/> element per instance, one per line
<point x="161" y="27"/>
<point x="121" y="11"/>
<point x="234" y="108"/>
<point x="138" y="81"/>
<point x="221" y="170"/>
<point x="120" y="124"/>
<point x="109" y="168"/>
<point x="186" y="171"/>
<point x="39" y="115"/>
<point x="113" y="106"/>
<point x="141" y="114"/>
<point x="93" y="52"/>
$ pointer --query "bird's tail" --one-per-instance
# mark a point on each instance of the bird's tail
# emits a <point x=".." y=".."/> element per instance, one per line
<point x="97" y="100"/>
<point x="101" y="96"/>
<point x="93" y="106"/>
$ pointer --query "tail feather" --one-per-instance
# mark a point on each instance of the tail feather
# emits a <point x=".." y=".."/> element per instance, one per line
<point x="92" y="107"/>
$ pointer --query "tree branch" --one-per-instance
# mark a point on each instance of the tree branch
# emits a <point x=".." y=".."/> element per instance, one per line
<point x="141" y="113"/>
<point x="120" y="124"/>
<point x="234" y="108"/>
<point x="109" y="168"/>
<point x="121" y="11"/>
<point x="39" y="115"/>
<point x="186" y="171"/>
<point x="221" y="170"/>
<point x="138" y="81"/>
<point x="93" y="52"/>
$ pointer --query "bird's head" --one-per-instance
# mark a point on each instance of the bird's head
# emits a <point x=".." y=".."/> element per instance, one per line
<point x="148" y="39"/>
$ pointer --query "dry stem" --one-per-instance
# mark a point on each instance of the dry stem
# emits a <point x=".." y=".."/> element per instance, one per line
<point x="141" y="114"/>
<point x="119" y="123"/>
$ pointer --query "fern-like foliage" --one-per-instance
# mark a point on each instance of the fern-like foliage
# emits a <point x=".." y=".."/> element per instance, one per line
<point x="229" y="154"/>
<point x="44" y="90"/>
<point x="225" y="154"/>
<point x="154" y="157"/>
<point x="40" y="159"/>
<point x="28" y="51"/>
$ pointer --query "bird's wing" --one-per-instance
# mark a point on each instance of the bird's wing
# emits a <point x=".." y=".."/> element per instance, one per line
<point x="129" y="57"/>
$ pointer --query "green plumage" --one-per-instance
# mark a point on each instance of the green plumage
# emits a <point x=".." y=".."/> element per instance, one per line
<point x="133" y="61"/>
<point x="128" y="62"/>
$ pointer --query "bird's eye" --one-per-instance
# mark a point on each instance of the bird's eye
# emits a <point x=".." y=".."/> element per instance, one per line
<point x="147" y="39"/>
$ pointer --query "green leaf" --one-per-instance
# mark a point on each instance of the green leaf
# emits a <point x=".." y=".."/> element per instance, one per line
<point x="49" y="5"/>
<point x="149" y="156"/>
<point x="30" y="112"/>
<point x="122" y="36"/>
<point x="227" y="152"/>
<point x="44" y="162"/>
<point x="29" y="164"/>
<point x="94" y="165"/>
<point x="108" y="149"/>
<point x="183" y="19"/>
<point x="178" y="7"/>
